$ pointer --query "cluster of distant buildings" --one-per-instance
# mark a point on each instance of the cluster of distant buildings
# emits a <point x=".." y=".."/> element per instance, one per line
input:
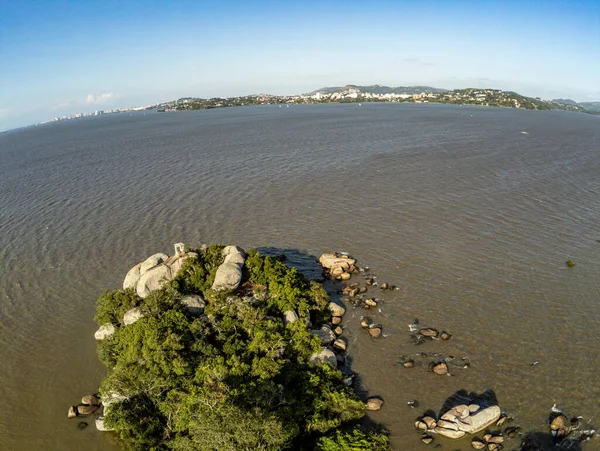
<point x="96" y="113"/>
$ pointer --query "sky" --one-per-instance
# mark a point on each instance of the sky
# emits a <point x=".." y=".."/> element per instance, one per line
<point x="64" y="57"/>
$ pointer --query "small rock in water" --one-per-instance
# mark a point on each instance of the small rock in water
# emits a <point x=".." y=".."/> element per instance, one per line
<point x="354" y="285"/>
<point x="439" y="368"/>
<point x="371" y="302"/>
<point x="413" y="404"/>
<point x="512" y="431"/>
<point x="374" y="403"/>
<point x="365" y="322"/>
<point x="501" y="421"/>
<point x="336" y="320"/>
<point x="384" y="286"/>
<point x="338" y="330"/>
<point x="429" y="422"/>
<point x="375" y="330"/>
<point x="419" y="424"/>
<point x="560" y="426"/>
<point x="429" y="332"/>
<point x="369" y="281"/>
<point x="477" y="443"/>
<point x="427" y="439"/>
<point x="408" y="363"/>
<point x="570" y="263"/>
<point x="445" y="335"/>
<point x="82" y="425"/>
<point x="496" y="439"/>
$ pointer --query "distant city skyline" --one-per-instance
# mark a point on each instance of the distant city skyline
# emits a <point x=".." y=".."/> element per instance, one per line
<point x="59" y="58"/>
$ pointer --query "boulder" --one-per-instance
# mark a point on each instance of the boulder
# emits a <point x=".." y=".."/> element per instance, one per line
<point x="371" y="303"/>
<point x="560" y="426"/>
<point x="105" y="331"/>
<point x="84" y="409"/>
<point x="234" y="254"/>
<point x="324" y="355"/>
<point x="72" y="412"/>
<point x="132" y="277"/>
<point x="336" y="320"/>
<point x="345" y="276"/>
<point x="374" y="403"/>
<point x="477" y="443"/>
<point x="340" y="344"/>
<point x="101" y="426"/>
<point x="338" y="330"/>
<point x="429" y="422"/>
<point x="228" y="277"/>
<point x="153" y="279"/>
<point x="133" y="315"/>
<point x="90" y="400"/>
<point x="330" y="260"/>
<point x="336" y="309"/>
<point x="194" y="304"/>
<point x="151" y="262"/>
<point x="325" y="334"/>
<point x="459" y="420"/>
<point x="289" y="316"/>
<point x="428" y="332"/>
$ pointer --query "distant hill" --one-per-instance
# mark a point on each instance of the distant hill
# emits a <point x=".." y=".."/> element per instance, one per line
<point x="565" y="101"/>
<point x="591" y="106"/>
<point x="379" y="89"/>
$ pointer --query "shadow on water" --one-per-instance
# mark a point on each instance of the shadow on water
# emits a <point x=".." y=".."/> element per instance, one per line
<point x="543" y="441"/>
<point x="307" y="264"/>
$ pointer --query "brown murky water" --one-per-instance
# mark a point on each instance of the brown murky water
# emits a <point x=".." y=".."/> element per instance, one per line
<point x="472" y="219"/>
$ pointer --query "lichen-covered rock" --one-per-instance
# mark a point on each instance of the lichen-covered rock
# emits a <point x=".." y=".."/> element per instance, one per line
<point x="324" y="355"/>
<point x="228" y="277"/>
<point x="105" y="331"/>
<point x="153" y="279"/>
<point x="133" y="315"/>
<point x="193" y="303"/>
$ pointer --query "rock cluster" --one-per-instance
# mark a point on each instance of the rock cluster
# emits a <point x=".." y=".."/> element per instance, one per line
<point x="338" y="266"/>
<point x="154" y="272"/>
<point x="466" y="419"/>
<point x="90" y="404"/>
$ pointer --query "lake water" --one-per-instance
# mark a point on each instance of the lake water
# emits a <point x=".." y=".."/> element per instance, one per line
<point x="471" y="218"/>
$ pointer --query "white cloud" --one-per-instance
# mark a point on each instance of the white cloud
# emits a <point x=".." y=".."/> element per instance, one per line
<point x="100" y="99"/>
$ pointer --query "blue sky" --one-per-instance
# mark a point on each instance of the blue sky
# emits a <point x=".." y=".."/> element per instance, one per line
<point x="63" y="57"/>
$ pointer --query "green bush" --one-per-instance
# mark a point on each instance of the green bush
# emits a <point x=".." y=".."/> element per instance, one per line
<point x="235" y="378"/>
<point x="354" y="439"/>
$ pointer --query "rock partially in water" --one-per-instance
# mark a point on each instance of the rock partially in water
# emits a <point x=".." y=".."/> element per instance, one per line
<point x="408" y="363"/>
<point x="375" y="330"/>
<point x="374" y="403"/>
<point x="459" y="419"/>
<point x="365" y="322"/>
<point x="560" y="426"/>
<point x="72" y="412"/>
<point x="477" y="443"/>
<point x="90" y="400"/>
<point x="84" y="409"/>
<point x="336" y="320"/>
<point x="428" y="332"/>
<point x="440" y="368"/>
<point x="340" y="345"/>
<point x="338" y="331"/>
<point x="429" y="422"/>
<point x="337" y="309"/>
<point x="371" y="303"/>
<point x="427" y="439"/>
<point x="101" y="426"/>
<point x="445" y="335"/>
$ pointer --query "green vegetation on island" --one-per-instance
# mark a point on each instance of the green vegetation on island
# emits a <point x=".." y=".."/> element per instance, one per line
<point x="232" y="374"/>
<point x="377" y="93"/>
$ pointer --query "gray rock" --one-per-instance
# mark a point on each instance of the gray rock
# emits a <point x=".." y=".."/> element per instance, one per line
<point x="133" y="315"/>
<point x="325" y="334"/>
<point x="194" y="303"/>
<point x="336" y="309"/>
<point x="324" y="355"/>
<point x="153" y="279"/>
<point x="234" y="254"/>
<point x="151" y="262"/>
<point x="132" y="277"/>
<point x="105" y="331"/>
<point x="228" y="277"/>
<point x="289" y="316"/>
